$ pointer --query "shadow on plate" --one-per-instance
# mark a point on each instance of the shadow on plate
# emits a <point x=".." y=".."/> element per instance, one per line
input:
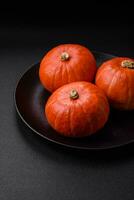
<point x="117" y="155"/>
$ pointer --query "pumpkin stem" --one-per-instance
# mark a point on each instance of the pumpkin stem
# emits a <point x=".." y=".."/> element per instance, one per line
<point x="64" y="56"/>
<point x="74" y="94"/>
<point x="128" y="64"/>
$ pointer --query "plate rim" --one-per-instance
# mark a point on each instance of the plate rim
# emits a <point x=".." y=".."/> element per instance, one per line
<point x="54" y="141"/>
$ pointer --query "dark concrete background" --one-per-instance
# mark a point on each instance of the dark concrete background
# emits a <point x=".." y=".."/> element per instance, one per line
<point x="30" y="167"/>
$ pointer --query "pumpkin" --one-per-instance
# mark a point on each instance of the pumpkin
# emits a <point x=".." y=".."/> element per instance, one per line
<point x="77" y="109"/>
<point x="116" y="78"/>
<point x="65" y="64"/>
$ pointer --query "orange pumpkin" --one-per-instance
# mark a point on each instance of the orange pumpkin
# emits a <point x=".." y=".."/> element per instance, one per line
<point x="77" y="109"/>
<point x="65" y="64"/>
<point x="116" y="78"/>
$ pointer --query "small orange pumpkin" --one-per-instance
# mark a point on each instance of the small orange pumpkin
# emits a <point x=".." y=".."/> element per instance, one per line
<point x="77" y="109"/>
<point x="116" y="78"/>
<point x="65" y="64"/>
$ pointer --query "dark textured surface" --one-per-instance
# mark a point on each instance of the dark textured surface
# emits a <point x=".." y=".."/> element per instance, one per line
<point x="30" y="167"/>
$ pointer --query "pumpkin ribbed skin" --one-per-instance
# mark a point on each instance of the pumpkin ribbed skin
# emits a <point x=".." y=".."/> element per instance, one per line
<point x="65" y="64"/>
<point x="77" y="116"/>
<point x="117" y="81"/>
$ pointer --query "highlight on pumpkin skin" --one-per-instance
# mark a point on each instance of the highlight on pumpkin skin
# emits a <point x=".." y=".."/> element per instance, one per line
<point x="77" y="109"/>
<point x="65" y="64"/>
<point x="116" y="78"/>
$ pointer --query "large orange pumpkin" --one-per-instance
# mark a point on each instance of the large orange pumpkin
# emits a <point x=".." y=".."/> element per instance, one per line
<point x="65" y="64"/>
<point x="116" y="78"/>
<point x="77" y="109"/>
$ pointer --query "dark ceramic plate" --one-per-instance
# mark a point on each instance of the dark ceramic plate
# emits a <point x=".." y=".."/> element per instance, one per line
<point x="30" y="99"/>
